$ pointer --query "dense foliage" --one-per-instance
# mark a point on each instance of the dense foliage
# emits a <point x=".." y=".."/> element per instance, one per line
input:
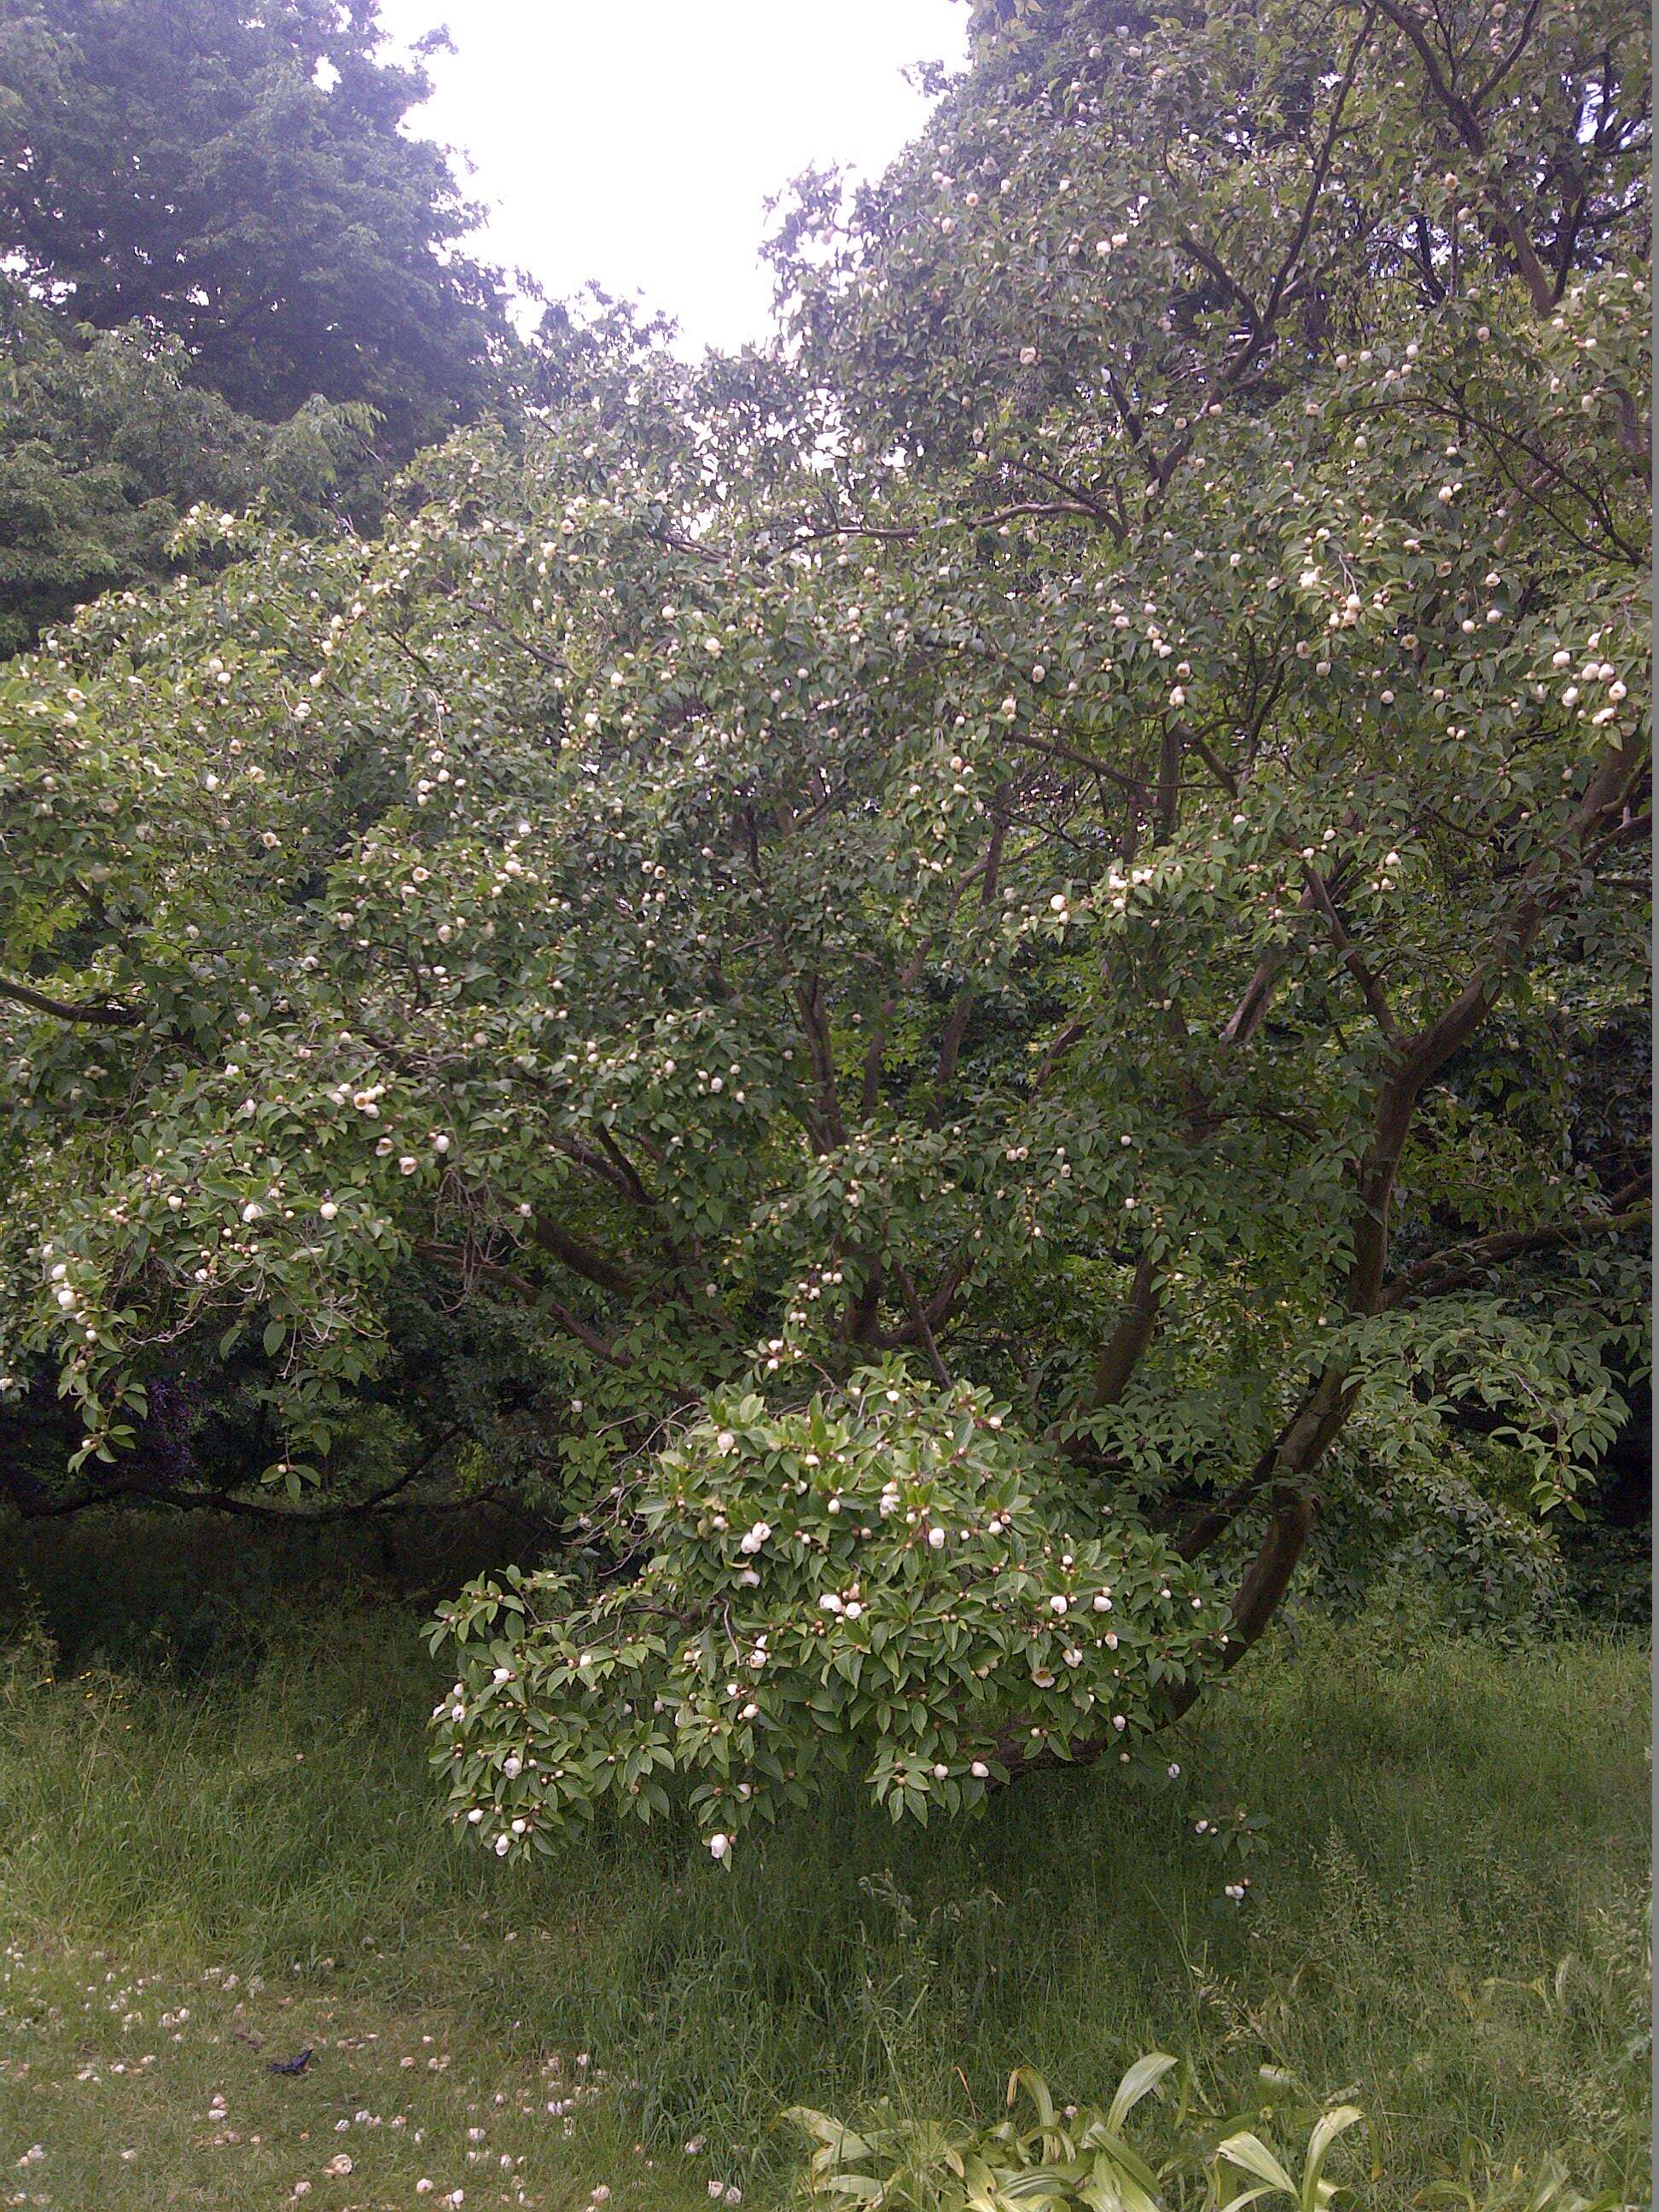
<point x="229" y="272"/>
<point x="1077" y="829"/>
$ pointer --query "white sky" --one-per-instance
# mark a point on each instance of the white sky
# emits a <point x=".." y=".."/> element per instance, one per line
<point x="636" y="141"/>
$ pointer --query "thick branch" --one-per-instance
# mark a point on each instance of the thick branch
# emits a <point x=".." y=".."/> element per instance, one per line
<point x="1119" y="1356"/>
<point x="1349" y="953"/>
<point x="582" y="1259"/>
<point x="1458" y="1264"/>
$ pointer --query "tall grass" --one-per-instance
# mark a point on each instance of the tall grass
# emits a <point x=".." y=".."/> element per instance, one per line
<point x="1446" y="1920"/>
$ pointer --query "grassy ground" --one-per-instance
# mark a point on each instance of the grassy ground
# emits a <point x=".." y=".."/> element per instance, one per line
<point x="1446" y="1920"/>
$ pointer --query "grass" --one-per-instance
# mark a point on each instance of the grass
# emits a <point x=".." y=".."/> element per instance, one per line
<point x="1446" y="1921"/>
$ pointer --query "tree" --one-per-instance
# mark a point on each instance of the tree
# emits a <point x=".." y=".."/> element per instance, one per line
<point x="965" y="942"/>
<point x="103" y="444"/>
<point x="237" y="179"/>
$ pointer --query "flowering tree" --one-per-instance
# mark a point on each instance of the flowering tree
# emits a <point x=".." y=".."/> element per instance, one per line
<point x="965" y="951"/>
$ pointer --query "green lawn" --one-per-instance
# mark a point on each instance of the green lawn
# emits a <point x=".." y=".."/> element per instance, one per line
<point x="1446" y="1921"/>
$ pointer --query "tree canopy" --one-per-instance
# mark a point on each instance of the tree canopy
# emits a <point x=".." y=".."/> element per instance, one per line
<point x="940" y="978"/>
<point x="236" y="178"/>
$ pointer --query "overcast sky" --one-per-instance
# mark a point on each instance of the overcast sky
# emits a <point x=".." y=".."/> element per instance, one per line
<point x="636" y="141"/>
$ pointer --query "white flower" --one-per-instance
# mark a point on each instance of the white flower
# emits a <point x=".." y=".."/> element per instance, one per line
<point x="724" y="1441"/>
<point x="503" y="1845"/>
<point x="1057" y="1604"/>
<point x="252" y="1210"/>
<point x="979" y="1770"/>
<point x="718" y="1845"/>
<point x="1027" y="355"/>
<point x="502" y="1674"/>
<point x="513" y="1767"/>
<point x="1102" y="1602"/>
<point x="936" y="1540"/>
<point x="408" y="1163"/>
<point x="328" y="1209"/>
<point x="854" y="1610"/>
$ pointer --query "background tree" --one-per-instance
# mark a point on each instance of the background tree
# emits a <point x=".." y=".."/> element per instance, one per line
<point x="104" y="442"/>
<point x="965" y="946"/>
<point x="233" y="274"/>
<point x="237" y="178"/>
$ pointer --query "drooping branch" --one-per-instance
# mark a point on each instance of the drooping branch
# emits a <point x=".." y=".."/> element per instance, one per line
<point x="97" y="1013"/>
<point x="31" y="1506"/>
